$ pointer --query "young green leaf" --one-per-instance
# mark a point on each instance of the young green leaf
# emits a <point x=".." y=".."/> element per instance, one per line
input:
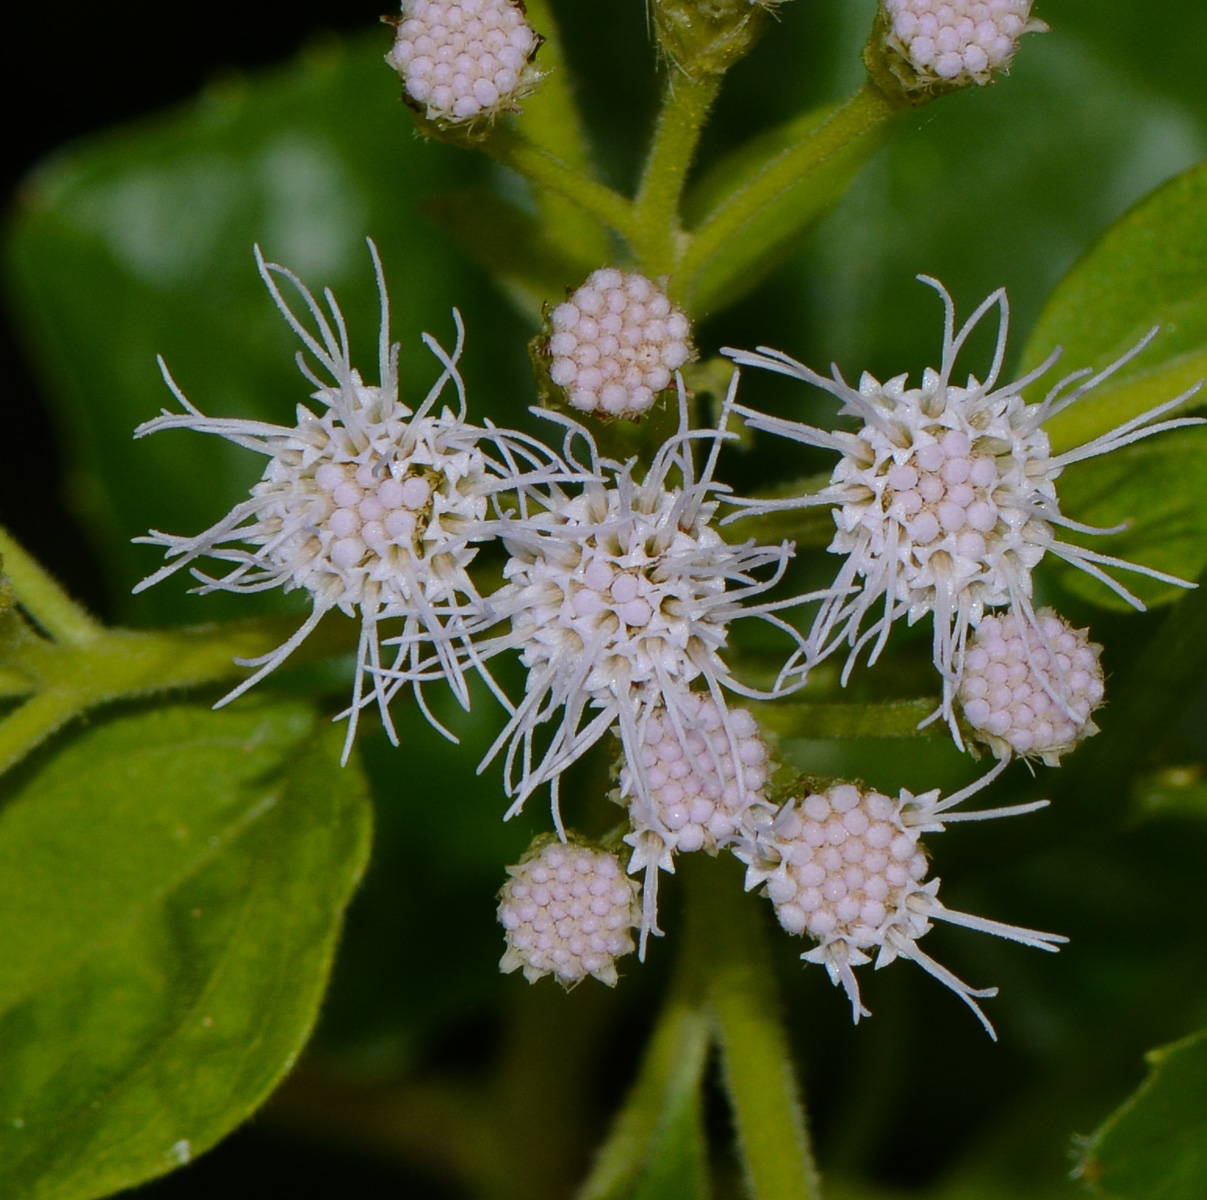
<point x="171" y="890"/>
<point x="1155" y="1146"/>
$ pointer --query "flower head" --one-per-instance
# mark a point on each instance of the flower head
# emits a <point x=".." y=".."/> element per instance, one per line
<point x="616" y="343"/>
<point x="619" y="599"/>
<point x="954" y="42"/>
<point x="567" y="911"/>
<point x="945" y="497"/>
<point x="845" y="866"/>
<point x="1029" y="688"/>
<point x="369" y="506"/>
<point x="464" y="61"/>
<point x="705" y="768"/>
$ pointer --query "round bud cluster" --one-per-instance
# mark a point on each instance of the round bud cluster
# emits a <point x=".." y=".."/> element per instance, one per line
<point x="616" y="344"/>
<point x="696" y="798"/>
<point x="840" y="865"/>
<point x="1031" y="691"/>
<point x="567" y="911"/>
<point x="960" y="41"/>
<point x="464" y="59"/>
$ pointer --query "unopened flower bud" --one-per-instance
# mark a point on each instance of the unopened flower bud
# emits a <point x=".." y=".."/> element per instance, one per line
<point x="464" y="62"/>
<point x="706" y="37"/>
<point x="931" y="46"/>
<point x="615" y="344"/>
<point x="1029" y="689"/>
<point x="567" y="910"/>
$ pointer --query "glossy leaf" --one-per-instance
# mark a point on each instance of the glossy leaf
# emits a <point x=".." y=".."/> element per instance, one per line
<point x="1149" y="269"/>
<point x="1155" y="1146"/>
<point x="171" y="890"/>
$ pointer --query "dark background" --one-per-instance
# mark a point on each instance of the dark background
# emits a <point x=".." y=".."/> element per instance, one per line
<point x="70" y="72"/>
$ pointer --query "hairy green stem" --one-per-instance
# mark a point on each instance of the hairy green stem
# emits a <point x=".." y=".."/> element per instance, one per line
<point x="545" y="170"/>
<point x="55" y="611"/>
<point x="755" y="1055"/>
<point x="685" y="106"/>
<point x="866" y="111"/>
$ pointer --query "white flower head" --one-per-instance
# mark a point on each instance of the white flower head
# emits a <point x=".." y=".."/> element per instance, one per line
<point x="371" y="507"/>
<point x="845" y="866"/>
<point x="945" y="497"/>
<point x="705" y="768"/>
<point x="464" y="61"/>
<point x="567" y="910"/>
<point x="955" y="42"/>
<point x="616" y="343"/>
<point x="619" y="598"/>
<point x="1029" y="688"/>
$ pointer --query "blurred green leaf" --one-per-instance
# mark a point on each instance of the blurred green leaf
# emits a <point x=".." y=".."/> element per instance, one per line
<point x="1149" y="268"/>
<point x="1158" y="489"/>
<point x="139" y="242"/>
<point x="1155" y="1146"/>
<point x="1172" y="792"/>
<point x="513" y="245"/>
<point x="891" y="719"/>
<point x="657" y="1149"/>
<point x="171" y="890"/>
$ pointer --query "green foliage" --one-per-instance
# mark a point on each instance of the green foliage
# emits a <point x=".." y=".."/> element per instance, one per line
<point x="1155" y="1146"/>
<point x="171" y="888"/>
<point x="1148" y="270"/>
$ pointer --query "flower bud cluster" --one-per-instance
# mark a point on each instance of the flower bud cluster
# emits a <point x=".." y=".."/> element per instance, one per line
<point x="1030" y="689"/>
<point x="846" y="862"/>
<point x="464" y="59"/>
<point x="957" y="41"/>
<point x="616" y="343"/>
<point x="567" y="911"/>
<point x="701" y="779"/>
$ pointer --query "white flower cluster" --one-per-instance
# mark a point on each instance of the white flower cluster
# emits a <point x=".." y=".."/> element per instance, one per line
<point x="619" y="592"/>
<point x="464" y="59"/>
<point x="616" y="344"/>
<point x="958" y="41"/>
<point x="845" y="867"/>
<point x="945" y="497"/>
<point x="567" y="911"/>
<point x="369" y="506"/>
<point x="1030" y="689"/>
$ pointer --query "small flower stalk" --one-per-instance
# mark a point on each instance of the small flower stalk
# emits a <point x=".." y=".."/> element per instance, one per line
<point x="567" y="910"/>
<point x="614" y="346"/>
<point x="464" y="63"/>
<point x="372" y="507"/>
<point x="845" y="866"/>
<point x="945" y="497"/>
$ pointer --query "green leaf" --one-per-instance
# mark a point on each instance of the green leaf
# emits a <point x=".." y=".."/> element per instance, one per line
<point x="139" y="242"/>
<point x="1149" y="269"/>
<point x="890" y="719"/>
<point x="171" y="889"/>
<point x="1158" y="490"/>
<point x="1155" y="1146"/>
